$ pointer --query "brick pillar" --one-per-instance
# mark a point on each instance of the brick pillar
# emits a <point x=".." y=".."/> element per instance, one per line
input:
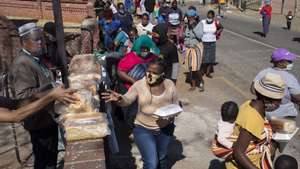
<point x="86" y="154"/>
<point x="9" y="43"/>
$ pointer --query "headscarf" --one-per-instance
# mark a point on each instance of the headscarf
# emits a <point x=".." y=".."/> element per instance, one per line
<point x="144" y="41"/>
<point x="162" y="30"/>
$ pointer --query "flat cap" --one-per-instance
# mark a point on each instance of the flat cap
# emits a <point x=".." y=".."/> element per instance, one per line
<point x="27" y="28"/>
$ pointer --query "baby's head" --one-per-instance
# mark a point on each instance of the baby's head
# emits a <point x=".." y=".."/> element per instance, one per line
<point x="286" y="162"/>
<point x="229" y="111"/>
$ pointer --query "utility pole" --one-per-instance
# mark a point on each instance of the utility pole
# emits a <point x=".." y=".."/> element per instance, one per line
<point x="60" y="39"/>
<point x="295" y="7"/>
<point x="282" y="6"/>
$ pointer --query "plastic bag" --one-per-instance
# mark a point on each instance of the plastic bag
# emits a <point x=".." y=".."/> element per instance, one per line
<point x="84" y="63"/>
<point x="86" y="103"/>
<point x="85" y="126"/>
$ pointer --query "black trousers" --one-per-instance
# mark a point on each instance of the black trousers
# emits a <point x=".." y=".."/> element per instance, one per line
<point x="44" y="145"/>
<point x="288" y="24"/>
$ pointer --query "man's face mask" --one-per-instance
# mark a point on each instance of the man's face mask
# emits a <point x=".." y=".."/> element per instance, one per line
<point x="209" y="20"/>
<point x="154" y="79"/>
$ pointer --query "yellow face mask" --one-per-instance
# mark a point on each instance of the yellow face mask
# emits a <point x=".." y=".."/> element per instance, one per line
<point x="153" y="79"/>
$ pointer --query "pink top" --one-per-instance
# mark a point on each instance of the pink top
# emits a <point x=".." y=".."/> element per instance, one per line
<point x="130" y="60"/>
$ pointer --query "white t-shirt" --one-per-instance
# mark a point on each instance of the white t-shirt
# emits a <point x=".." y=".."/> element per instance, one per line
<point x="287" y="107"/>
<point x="224" y="131"/>
<point x="142" y="30"/>
<point x="209" y="31"/>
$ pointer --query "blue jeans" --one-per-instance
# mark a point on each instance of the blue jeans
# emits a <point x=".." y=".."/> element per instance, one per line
<point x="153" y="145"/>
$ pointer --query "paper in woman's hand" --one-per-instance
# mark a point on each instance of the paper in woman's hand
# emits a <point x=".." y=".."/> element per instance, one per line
<point x="170" y="110"/>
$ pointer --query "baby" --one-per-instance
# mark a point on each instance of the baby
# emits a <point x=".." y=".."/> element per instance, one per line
<point x="229" y="112"/>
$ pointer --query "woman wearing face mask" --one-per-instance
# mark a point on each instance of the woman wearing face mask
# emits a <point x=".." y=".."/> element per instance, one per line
<point x="168" y="51"/>
<point x="282" y="61"/>
<point x="253" y="147"/>
<point x="210" y="31"/>
<point x="152" y="135"/>
<point x="144" y="50"/>
<point x="194" y="49"/>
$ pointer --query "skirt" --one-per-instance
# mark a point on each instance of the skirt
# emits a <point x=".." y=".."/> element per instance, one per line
<point x="209" y="56"/>
<point x="194" y="57"/>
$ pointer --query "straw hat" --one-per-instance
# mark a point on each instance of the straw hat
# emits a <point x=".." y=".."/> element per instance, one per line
<point x="271" y="85"/>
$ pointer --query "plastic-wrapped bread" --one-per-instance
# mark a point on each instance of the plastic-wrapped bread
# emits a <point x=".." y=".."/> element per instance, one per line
<point x="86" y="103"/>
<point x="85" y="126"/>
<point x="84" y="63"/>
<point x="283" y="125"/>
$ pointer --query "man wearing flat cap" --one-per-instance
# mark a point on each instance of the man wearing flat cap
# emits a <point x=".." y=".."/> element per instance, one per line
<point x="30" y="79"/>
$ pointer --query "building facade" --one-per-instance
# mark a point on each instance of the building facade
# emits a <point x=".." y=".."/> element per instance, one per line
<point x="72" y="10"/>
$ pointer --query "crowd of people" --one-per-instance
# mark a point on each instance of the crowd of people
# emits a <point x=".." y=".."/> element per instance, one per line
<point x="146" y="73"/>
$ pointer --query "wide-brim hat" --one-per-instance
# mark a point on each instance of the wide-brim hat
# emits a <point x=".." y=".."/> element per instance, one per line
<point x="271" y="86"/>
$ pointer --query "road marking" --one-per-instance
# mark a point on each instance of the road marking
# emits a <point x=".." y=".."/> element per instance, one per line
<point x="253" y="40"/>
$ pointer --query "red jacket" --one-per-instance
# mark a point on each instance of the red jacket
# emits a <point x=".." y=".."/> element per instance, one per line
<point x="267" y="9"/>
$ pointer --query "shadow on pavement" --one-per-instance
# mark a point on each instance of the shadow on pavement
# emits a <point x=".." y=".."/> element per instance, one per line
<point x="296" y="39"/>
<point x="216" y="164"/>
<point x="175" y="152"/>
<point x="259" y="33"/>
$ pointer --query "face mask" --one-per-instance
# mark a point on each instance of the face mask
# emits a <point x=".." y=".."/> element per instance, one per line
<point x="153" y="79"/>
<point x="269" y="107"/>
<point x="145" y="54"/>
<point x="209" y="20"/>
<point x="289" y="66"/>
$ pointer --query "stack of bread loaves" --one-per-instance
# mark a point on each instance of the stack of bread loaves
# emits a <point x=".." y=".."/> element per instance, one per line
<point x="82" y="120"/>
